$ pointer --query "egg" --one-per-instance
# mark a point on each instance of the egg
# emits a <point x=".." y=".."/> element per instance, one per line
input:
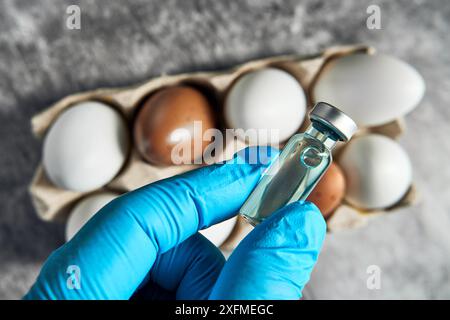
<point x="219" y="232"/>
<point x="267" y="99"/>
<point x="378" y="172"/>
<point x="371" y="89"/>
<point x="330" y="190"/>
<point x="174" y="118"/>
<point x="85" y="147"/>
<point x="84" y="210"/>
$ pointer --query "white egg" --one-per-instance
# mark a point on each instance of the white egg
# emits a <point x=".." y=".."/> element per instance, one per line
<point x="269" y="99"/>
<point x="378" y="171"/>
<point x="84" y="210"/>
<point x="371" y="89"/>
<point x="85" y="147"/>
<point x="219" y="232"/>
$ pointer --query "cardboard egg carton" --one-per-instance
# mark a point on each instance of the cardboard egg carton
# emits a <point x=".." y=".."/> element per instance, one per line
<point x="53" y="203"/>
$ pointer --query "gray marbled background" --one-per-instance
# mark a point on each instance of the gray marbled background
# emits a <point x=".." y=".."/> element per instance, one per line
<point x="121" y="44"/>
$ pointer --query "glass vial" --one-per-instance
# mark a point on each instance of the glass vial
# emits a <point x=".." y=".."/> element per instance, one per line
<point x="298" y="168"/>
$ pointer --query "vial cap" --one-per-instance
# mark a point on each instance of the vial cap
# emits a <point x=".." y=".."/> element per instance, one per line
<point x="334" y="119"/>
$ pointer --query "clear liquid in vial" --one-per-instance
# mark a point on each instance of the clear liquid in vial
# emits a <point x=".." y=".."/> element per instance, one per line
<point x="291" y="177"/>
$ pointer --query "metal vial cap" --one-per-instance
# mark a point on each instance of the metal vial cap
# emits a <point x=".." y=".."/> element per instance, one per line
<point x="334" y="119"/>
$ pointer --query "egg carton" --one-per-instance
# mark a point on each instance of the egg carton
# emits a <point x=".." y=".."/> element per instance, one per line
<point x="53" y="203"/>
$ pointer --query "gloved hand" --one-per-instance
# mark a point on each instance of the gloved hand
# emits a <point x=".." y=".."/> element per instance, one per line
<point x="145" y="243"/>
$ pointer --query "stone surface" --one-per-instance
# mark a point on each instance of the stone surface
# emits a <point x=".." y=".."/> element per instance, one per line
<point x="41" y="61"/>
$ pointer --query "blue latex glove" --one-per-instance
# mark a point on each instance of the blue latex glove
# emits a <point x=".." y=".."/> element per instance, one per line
<point x="145" y="243"/>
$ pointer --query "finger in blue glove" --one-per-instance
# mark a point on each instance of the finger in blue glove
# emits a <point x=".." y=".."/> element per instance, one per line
<point x="276" y="259"/>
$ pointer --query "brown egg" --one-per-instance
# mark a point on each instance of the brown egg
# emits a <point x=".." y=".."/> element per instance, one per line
<point x="329" y="192"/>
<point x="166" y="121"/>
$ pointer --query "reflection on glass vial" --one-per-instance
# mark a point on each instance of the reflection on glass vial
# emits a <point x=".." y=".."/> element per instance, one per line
<point x="296" y="171"/>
